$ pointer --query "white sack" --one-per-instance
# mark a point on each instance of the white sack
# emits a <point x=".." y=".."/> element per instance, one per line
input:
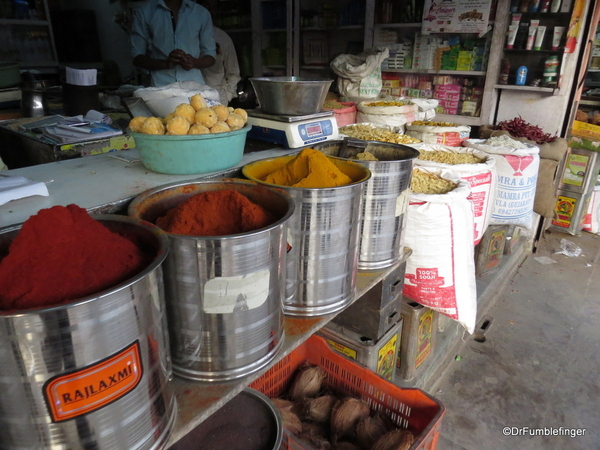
<point x="452" y="136"/>
<point x="163" y="100"/>
<point x="440" y="273"/>
<point x="395" y="116"/>
<point x="591" y="221"/>
<point x="482" y="179"/>
<point x="517" y="178"/>
<point x="360" y="75"/>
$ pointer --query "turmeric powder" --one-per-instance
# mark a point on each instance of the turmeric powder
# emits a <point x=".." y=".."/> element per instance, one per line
<point x="309" y="169"/>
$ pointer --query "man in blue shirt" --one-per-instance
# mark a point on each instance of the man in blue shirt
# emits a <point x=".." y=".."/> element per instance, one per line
<point x="173" y="39"/>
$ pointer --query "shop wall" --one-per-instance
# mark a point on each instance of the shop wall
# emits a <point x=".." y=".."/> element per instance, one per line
<point x="114" y="41"/>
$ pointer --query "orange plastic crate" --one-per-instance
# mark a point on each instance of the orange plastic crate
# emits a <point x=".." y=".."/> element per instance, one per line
<point x="408" y="408"/>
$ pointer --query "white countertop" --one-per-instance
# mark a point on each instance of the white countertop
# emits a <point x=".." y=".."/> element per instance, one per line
<point x="94" y="182"/>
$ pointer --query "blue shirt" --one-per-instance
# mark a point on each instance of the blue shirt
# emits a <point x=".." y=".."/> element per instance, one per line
<point x="152" y="34"/>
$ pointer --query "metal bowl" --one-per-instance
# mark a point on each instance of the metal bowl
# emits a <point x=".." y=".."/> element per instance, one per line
<point x="294" y="96"/>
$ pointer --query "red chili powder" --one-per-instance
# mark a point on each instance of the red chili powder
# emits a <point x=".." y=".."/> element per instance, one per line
<point x="62" y="254"/>
<point x="215" y="213"/>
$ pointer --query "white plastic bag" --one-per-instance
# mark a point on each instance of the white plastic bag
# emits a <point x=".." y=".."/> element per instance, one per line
<point x="163" y="100"/>
<point x="360" y="75"/>
<point x="440" y="273"/>
<point x="482" y="179"/>
<point x="517" y="179"/>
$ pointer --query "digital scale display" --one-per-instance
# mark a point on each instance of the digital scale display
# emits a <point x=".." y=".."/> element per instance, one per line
<point x="313" y="130"/>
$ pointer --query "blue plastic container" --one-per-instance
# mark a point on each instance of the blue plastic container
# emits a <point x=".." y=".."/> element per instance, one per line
<point x="521" y="76"/>
<point x="191" y="154"/>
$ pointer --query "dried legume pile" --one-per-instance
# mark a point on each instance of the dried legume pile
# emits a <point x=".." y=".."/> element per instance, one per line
<point x="369" y="133"/>
<point x="429" y="183"/>
<point x="449" y="157"/>
<point x="434" y="124"/>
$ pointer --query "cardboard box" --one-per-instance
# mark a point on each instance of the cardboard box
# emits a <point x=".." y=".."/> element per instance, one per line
<point x="587" y="144"/>
<point x="586" y="130"/>
<point x="452" y="88"/>
<point x="391" y="83"/>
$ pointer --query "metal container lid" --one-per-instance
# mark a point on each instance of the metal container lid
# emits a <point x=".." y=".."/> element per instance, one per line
<point x="249" y="421"/>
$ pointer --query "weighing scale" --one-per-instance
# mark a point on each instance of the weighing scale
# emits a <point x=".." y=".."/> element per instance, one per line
<point x="292" y="131"/>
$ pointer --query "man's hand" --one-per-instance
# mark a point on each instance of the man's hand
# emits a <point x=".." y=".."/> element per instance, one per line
<point x="176" y="57"/>
<point x="188" y="62"/>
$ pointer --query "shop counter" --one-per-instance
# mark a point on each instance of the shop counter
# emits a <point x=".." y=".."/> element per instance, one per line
<point x="101" y="184"/>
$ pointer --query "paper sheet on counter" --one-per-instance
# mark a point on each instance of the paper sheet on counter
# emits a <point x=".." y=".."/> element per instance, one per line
<point x="14" y="188"/>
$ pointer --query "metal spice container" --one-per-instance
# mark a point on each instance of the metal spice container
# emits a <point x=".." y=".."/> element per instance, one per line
<point x="224" y="293"/>
<point x="93" y="373"/>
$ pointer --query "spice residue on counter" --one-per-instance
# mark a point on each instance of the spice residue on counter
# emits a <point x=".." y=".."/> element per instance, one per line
<point x="215" y="213"/>
<point x="309" y="169"/>
<point x="60" y="255"/>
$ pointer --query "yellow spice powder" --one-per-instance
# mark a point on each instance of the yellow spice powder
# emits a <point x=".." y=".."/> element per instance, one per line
<point x="309" y="169"/>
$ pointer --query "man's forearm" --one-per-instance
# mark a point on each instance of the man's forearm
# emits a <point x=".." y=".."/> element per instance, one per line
<point x="204" y="61"/>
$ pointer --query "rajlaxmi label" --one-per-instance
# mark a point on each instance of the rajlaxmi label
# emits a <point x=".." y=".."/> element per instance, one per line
<point x="93" y="387"/>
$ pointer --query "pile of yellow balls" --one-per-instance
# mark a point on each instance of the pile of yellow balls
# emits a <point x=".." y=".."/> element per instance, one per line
<point x="195" y="117"/>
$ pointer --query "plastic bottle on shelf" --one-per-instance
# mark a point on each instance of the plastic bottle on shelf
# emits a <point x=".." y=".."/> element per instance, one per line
<point x="521" y="76"/>
<point x="555" y="6"/>
<point x="504" y="71"/>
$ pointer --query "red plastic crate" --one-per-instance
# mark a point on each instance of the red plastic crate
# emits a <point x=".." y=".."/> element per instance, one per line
<point x="413" y="409"/>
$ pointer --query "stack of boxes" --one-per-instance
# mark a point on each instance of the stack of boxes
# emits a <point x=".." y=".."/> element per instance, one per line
<point x="369" y="330"/>
<point x="457" y="96"/>
<point x="424" y="51"/>
<point x="400" y="52"/>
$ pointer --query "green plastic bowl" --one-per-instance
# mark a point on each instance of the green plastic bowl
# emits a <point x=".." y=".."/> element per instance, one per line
<point x="191" y="154"/>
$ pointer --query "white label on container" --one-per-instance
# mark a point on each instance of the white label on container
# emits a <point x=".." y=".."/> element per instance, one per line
<point x="402" y="202"/>
<point x="225" y="295"/>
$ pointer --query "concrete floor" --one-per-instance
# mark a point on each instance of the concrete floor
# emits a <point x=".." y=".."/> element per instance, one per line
<point x="539" y="364"/>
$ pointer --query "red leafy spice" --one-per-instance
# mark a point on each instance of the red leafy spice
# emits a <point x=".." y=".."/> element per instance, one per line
<point x="215" y="213"/>
<point x="518" y="127"/>
<point x="60" y="255"/>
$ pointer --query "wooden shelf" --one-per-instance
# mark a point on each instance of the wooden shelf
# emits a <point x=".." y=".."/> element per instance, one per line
<point x="522" y="50"/>
<point x="473" y="121"/>
<point x="333" y="28"/>
<point x="399" y="25"/>
<point x="438" y="72"/>
<point x="196" y="401"/>
<point x="237" y="30"/>
<point x="24" y="22"/>
<point x="513" y="87"/>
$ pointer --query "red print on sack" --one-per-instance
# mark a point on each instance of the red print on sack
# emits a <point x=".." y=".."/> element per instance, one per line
<point x="518" y="163"/>
<point x="428" y="290"/>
